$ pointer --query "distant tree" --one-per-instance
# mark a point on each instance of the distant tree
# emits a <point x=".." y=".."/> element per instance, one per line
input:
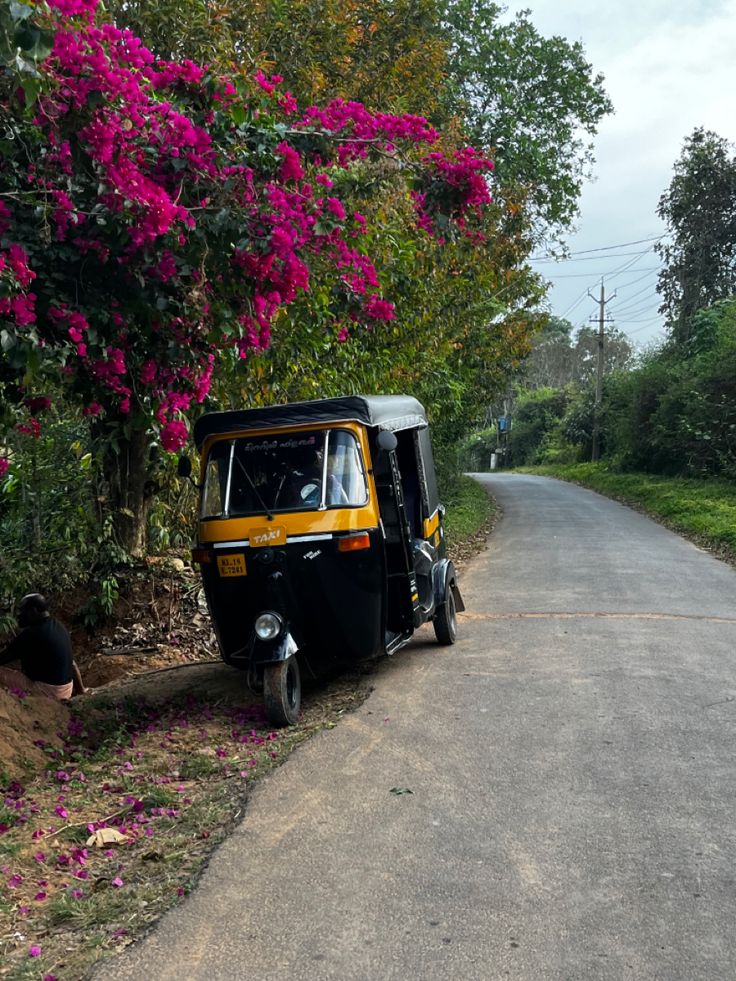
<point x="618" y="354"/>
<point x="699" y="208"/>
<point x="559" y="359"/>
<point x="550" y="363"/>
<point x="537" y="417"/>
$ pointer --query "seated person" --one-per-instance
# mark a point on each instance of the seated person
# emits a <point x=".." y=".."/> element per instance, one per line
<point x="303" y="481"/>
<point x="44" y="650"/>
<point x="302" y="485"/>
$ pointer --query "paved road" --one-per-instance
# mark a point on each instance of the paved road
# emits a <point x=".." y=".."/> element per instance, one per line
<point x="573" y="768"/>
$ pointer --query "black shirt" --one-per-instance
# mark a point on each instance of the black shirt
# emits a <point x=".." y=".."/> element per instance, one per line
<point x="45" y="652"/>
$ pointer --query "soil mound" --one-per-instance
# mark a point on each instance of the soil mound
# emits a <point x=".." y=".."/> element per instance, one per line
<point x="26" y="726"/>
<point x="160" y="621"/>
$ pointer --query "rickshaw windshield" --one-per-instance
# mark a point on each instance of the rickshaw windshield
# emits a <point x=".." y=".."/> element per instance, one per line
<point x="296" y="471"/>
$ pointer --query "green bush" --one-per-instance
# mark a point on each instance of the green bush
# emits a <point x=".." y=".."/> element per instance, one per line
<point x="676" y="413"/>
<point x="536" y="424"/>
<point x="49" y="521"/>
<point x="474" y="453"/>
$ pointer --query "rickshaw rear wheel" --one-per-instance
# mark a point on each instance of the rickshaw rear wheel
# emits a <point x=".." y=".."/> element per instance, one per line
<point x="445" y="619"/>
<point x="282" y="692"/>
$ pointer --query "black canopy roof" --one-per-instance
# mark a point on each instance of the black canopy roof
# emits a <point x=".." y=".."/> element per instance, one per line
<point x="392" y="412"/>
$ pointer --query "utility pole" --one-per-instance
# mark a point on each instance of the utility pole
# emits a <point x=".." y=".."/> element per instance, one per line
<point x="599" y="370"/>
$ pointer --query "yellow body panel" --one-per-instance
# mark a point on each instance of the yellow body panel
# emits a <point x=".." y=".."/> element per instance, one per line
<point x="432" y="524"/>
<point x="254" y="528"/>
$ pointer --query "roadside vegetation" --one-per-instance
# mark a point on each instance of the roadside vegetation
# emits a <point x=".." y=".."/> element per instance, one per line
<point x="110" y="810"/>
<point x="470" y="513"/>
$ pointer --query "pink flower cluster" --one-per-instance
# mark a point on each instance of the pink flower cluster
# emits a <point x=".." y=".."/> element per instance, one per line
<point x="162" y="180"/>
<point x="18" y="304"/>
<point x="358" y="127"/>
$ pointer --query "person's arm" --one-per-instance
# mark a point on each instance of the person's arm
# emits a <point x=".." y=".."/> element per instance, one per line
<point x="77" y="683"/>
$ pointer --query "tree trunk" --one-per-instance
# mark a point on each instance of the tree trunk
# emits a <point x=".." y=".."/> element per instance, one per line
<point x="127" y="472"/>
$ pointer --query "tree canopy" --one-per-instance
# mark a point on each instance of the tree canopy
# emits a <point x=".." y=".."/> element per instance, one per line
<point x="699" y="208"/>
<point x="533" y="101"/>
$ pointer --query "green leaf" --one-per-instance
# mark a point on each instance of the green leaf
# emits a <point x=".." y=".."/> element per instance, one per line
<point x="398" y="791"/>
<point x="35" y="42"/>
<point x="31" y="89"/>
<point x="237" y="113"/>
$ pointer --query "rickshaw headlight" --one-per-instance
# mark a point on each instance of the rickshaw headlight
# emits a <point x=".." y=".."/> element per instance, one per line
<point x="268" y="626"/>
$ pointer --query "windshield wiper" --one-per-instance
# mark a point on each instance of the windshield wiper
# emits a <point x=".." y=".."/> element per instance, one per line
<point x="255" y="490"/>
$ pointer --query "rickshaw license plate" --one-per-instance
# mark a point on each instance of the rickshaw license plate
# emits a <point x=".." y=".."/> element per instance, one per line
<point x="231" y="565"/>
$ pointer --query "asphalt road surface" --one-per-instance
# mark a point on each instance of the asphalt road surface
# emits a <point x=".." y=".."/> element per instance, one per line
<point x="572" y="764"/>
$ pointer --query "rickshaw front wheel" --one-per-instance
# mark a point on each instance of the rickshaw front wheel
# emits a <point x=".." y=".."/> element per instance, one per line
<point x="282" y="692"/>
<point x="445" y="619"/>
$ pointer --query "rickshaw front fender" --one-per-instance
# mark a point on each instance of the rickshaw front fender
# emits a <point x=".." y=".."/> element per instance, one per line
<point x="443" y="575"/>
<point x="272" y="651"/>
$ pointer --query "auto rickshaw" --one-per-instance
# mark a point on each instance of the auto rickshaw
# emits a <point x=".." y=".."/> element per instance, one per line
<point x="320" y="538"/>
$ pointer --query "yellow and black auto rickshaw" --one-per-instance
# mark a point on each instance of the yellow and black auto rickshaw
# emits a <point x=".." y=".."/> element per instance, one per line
<point x="320" y="538"/>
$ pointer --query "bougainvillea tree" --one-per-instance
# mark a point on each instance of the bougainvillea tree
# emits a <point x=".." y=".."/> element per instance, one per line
<point x="157" y="218"/>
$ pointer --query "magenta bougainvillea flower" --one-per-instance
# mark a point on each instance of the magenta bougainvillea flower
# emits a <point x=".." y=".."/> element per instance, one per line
<point x="190" y="214"/>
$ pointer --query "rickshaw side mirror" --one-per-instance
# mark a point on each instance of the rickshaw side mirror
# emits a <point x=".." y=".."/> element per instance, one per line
<point x="184" y="467"/>
<point x="386" y="441"/>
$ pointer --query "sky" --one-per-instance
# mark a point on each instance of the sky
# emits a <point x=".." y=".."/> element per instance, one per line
<point x="669" y="67"/>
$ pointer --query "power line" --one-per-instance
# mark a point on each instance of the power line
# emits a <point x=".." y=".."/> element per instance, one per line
<point x="594" y="276"/>
<point x="575" y="303"/>
<point x="633" y="282"/>
<point x="627" y="265"/>
<point x="633" y="296"/>
<point x="634" y="311"/>
<point x="639" y="329"/>
<point x="588" y="258"/>
<point x="631" y="318"/>
<point x="634" y="306"/>
<point x="603" y="248"/>
<point x="612" y="273"/>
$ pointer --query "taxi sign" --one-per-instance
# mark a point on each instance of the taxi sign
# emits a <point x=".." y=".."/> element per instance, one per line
<point x="231" y="565"/>
<point x="267" y="535"/>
